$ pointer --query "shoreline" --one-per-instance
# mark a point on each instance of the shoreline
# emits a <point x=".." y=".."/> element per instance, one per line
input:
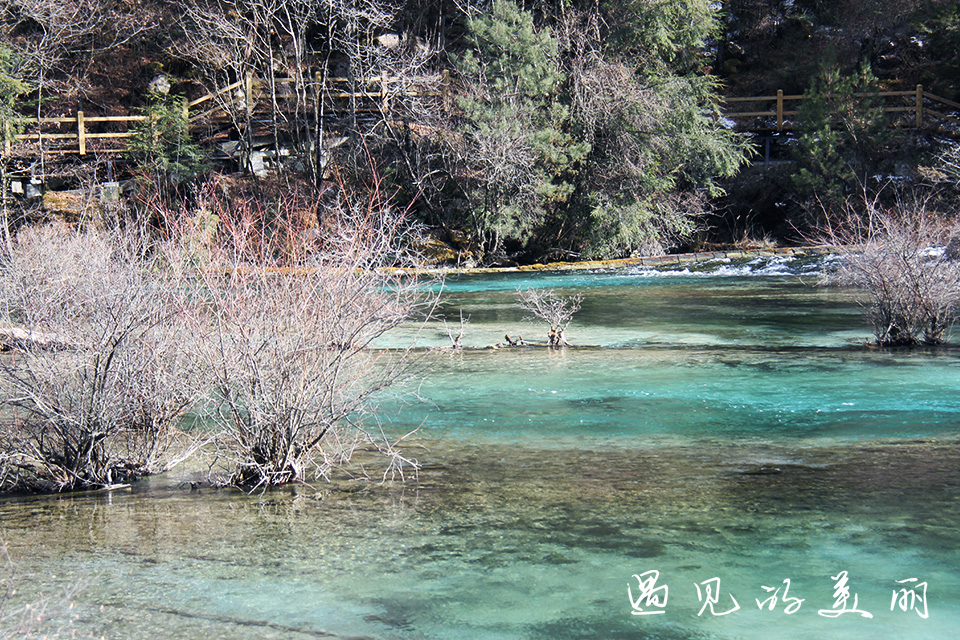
<point x="620" y="263"/>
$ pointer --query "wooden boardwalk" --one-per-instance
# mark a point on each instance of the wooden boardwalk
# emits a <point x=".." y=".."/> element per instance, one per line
<point x="777" y="112"/>
<point x="255" y="104"/>
<point x="251" y="102"/>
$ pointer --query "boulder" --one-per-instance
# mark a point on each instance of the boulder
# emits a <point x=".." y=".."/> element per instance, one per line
<point x="160" y="84"/>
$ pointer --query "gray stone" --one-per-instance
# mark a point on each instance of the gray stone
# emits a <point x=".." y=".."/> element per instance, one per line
<point x="160" y="84"/>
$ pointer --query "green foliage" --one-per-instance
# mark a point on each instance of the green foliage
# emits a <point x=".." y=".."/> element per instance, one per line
<point x="841" y="135"/>
<point x="12" y="86"/>
<point x="162" y="142"/>
<point x="663" y="34"/>
<point x="939" y="29"/>
<point x="517" y="123"/>
<point x="580" y="147"/>
<point x="514" y="55"/>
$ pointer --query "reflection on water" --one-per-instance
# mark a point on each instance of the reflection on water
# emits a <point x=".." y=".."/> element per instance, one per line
<point x="500" y="541"/>
<point x="551" y="478"/>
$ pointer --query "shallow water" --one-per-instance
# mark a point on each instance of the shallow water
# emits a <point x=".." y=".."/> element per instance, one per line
<point x="719" y="304"/>
<point x="715" y="425"/>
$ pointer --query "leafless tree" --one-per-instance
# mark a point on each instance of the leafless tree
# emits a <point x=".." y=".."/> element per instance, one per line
<point x="555" y="310"/>
<point x="101" y="405"/>
<point x="456" y="341"/>
<point x="269" y="39"/>
<point x="294" y="336"/>
<point x="901" y="257"/>
<point x="60" y="37"/>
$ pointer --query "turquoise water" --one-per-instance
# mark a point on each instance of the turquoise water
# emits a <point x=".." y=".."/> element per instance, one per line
<point x="723" y="424"/>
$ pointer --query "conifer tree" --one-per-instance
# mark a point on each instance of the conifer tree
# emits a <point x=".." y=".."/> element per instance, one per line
<point x="841" y="133"/>
<point x="582" y="141"/>
<point x="12" y="86"/>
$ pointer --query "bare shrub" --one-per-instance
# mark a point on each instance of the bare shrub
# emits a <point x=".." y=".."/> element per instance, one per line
<point x="949" y="163"/>
<point x="291" y="347"/>
<point x="555" y="310"/>
<point x="900" y="257"/>
<point x="231" y="222"/>
<point x="101" y="406"/>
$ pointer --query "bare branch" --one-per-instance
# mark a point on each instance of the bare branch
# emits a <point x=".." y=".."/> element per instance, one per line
<point x="555" y="310"/>
<point x="903" y="258"/>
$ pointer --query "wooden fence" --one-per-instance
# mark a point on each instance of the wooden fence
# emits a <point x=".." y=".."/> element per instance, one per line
<point x="776" y="112"/>
<point x="82" y="134"/>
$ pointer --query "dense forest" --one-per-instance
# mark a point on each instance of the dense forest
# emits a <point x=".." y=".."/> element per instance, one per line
<point x="515" y="132"/>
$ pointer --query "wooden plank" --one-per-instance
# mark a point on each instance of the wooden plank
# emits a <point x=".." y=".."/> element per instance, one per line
<point x="47" y="136"/>
<point x="751" y="114"/>
<point x="248" y="94"/>
<point x="942" y="116"/>
<point x="45" y="120"/>
<point x="868" y="94"/>
<point x="935" y="98"/>
<point x="885" y="94"/>
<point x="749" y="99"/>
<point x="779" y="110"/>
<point x="60" y="152"/>
<point x="919" y="106"/>
<point x="108" y="136"/>
<point x="211" y="96"/>
<point x="445" y="90"/>
<point x="115" y="118"/>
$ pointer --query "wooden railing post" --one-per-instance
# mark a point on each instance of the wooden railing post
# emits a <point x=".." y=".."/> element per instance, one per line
<point x="248" y="92"/>
<point x="384" y="96"/>
<point x="779" y="109"/>
<point x="81" y="134"/>
<point x="919" y="106"/>
<point x="445" y="89"/>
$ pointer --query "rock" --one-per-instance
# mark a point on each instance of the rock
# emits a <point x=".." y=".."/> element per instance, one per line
<point x="257" y="165"/>
<point x="160" y="85"/>
<point x="435" y="251"/>
<point x="459" y="237"/>
<point x="952" y="252"/>
<point x="389" y="40"/>
<point x="109" y="192"/>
